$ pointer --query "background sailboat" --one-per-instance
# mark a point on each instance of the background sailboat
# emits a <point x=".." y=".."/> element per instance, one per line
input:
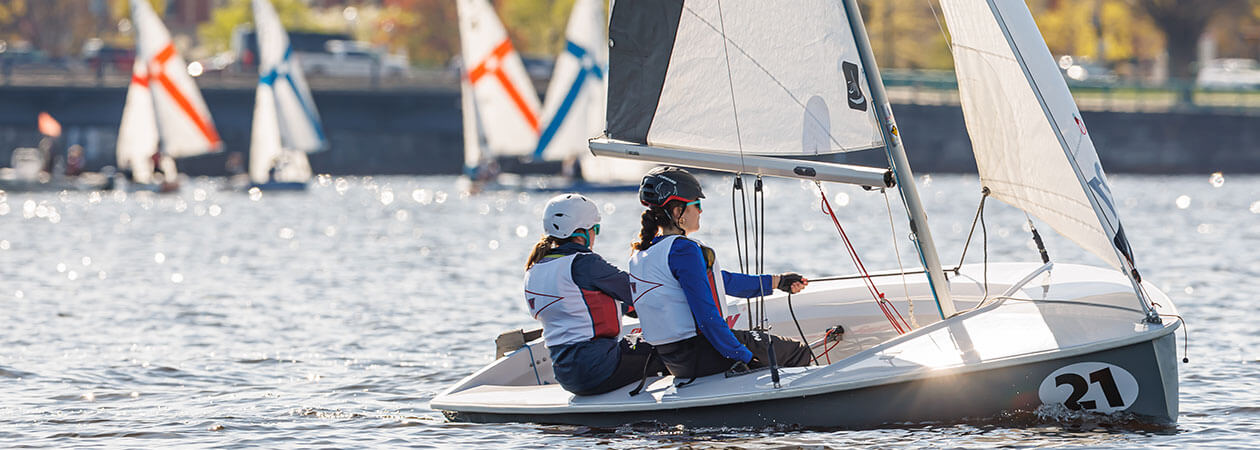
<point x="164" y="113"/>
<point x="573" y="109"/>
<point x="286" y="124"/>
<point x="503" y="105"/>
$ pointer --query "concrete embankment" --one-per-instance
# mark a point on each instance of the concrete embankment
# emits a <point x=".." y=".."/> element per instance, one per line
<point x="418" y="131"/>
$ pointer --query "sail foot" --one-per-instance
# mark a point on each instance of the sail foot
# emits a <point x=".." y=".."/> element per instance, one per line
<point x="872" y="177"/>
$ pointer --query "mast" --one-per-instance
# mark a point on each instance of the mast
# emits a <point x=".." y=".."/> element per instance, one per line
<point x="901" y="167"/>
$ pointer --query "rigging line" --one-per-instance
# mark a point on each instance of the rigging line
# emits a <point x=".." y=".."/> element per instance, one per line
<point x="905" y="287"/>
<point x="984" y="239"/>
<point x="738" y="185"/>
<point x="878" y="296"/>
<point x="979" y="209"/>
<point x="799" y="330"/>
<point x="730" y="82"/>
<point x="948" y="42"/>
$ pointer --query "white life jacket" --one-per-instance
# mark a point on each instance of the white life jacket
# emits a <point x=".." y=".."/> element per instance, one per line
<point x="659" y="299"/>
<point x="568" y="313"/>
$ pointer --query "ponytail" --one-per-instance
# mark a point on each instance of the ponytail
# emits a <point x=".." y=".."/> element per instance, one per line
<point x="653" y="219"/>
<point x="541" y="249"/>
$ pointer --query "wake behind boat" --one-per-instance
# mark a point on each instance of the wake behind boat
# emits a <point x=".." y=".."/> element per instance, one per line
<point x="1004" y="337"/>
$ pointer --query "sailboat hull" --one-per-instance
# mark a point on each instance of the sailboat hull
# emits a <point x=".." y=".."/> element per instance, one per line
<point x="1040" y="350"/>
<point x="944" y="398"/>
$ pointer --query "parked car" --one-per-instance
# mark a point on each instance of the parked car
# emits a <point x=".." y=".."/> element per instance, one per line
<point x="354" y="59"/>
<point x="1230" y="73"/>
<point x="101" y="57"/>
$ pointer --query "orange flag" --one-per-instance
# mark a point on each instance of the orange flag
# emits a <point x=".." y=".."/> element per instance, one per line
<point x="48" y="125"/>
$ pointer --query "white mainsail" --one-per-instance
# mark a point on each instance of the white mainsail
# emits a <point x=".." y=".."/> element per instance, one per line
<point x="1032" y="148"/>
<point x="786" y="80"/>
<point x="138" y="133"/>
<point x="182" y="119"/>
<point x="286" y="123"/>
<point x="573" y="109"/>
<point x="505" y="100"/>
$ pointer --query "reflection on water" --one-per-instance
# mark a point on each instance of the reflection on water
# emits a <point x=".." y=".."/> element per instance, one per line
<point x="333" y="316"/>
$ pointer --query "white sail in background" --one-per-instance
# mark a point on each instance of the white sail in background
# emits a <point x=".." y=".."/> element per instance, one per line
<point x="1032" y="148"/>
<point x="573" y="109"/>
<point x="786" y="80"/>
<point x="506" y="102"/>
<point x="286" y="123"/>
<point x="476" y="152"/>
<point x="138" y="133"/>
<point x="182" y="118"/>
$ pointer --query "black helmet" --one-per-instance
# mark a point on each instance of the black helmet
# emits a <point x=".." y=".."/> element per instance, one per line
<point x="665" y="184"/>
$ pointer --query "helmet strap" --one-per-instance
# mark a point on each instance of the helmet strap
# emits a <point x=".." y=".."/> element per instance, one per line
<point x="584" y="235"/>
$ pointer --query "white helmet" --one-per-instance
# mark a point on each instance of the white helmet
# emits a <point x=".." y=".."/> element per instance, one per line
<point x="566" y="213"/>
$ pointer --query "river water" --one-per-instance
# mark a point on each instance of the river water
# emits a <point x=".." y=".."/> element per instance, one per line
<point x="331" y="317"/>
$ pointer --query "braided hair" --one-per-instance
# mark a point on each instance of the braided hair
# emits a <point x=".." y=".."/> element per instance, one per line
<point x="653" y="219"/>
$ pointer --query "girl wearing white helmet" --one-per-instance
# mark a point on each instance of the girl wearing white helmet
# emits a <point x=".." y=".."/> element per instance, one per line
<point x="680" y="290"/>
<point x="575" y="293"/>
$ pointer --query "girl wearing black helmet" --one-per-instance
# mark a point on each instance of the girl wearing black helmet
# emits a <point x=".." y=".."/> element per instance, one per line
<point x="679" y="289"/>
<point x="575" y="294"/>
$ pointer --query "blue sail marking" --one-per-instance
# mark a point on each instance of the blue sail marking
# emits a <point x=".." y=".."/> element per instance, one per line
<point x="270" y="79"/>
<point x="553" y="126"/>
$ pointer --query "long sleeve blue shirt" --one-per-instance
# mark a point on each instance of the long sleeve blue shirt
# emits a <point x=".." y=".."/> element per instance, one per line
<point x="686" y="262"/>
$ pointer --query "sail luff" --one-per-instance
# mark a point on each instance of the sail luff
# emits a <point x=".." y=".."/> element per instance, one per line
<point x="901" y="167"/>
<point x="137" y="132"/>
<point x="183" y="120"/>
<point x="1109" y="221"/>
<point x="506" y="102"/>
<point x="1032" y="148"/>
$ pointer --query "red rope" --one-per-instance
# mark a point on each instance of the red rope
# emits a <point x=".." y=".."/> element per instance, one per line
<point x="887" y="307"/>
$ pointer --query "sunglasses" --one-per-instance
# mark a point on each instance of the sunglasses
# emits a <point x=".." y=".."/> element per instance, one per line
<point x="595" y="229"/>
<point x="697" y="203"/>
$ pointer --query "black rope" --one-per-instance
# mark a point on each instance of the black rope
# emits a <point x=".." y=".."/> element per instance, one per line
<point x="760" y="200"/>
<point x="1185" y="334"/>
<point x="643" y="379"/>
<point x="799" y="330"/>
<point x="739" y="186"/>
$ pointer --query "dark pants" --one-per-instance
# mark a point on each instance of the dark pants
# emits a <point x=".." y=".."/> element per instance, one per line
<point x="696" y="357"/>
<point x="634" y="362"/>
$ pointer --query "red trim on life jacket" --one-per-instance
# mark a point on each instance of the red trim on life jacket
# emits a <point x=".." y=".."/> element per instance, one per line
<point x="605" y="317"/>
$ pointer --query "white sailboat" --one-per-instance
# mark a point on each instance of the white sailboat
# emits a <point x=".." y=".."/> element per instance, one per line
<point x="500" y="105"/>
<point x="164" y="117"/>
<point x="573" y="109"/>
<point x="286" y="124"/>
<point x="694" y="84"/>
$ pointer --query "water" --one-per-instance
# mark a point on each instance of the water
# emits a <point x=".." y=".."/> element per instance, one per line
<point x="331" y="318"/>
